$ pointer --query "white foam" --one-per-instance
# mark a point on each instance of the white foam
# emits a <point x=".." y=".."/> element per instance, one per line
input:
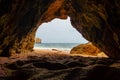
<point x="64" y="49"/>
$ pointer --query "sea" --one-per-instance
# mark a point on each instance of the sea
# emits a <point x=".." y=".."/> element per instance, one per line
<point x="58" y="46"/>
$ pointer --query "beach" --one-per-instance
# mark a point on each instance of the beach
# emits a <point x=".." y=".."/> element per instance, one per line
<point x="41" y="53"/>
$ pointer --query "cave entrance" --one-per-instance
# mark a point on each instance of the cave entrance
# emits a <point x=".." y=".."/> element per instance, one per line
<point x="58" y="34"/>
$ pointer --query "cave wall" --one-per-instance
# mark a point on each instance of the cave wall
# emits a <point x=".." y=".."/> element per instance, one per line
<point x="96" y="20"/>
<point x="19" y="20"/>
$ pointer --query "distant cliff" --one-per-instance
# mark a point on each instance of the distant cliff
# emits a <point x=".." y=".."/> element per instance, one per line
<point x="37" y="40"/>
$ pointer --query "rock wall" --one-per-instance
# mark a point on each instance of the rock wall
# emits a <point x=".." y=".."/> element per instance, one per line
<point x="96" y="20"/>
<point x="19" y="20"/>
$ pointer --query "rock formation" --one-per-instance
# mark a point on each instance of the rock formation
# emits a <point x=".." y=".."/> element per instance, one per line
<point x="59" y="67"/>
<point x="37" y="40"/>
<point x="98" y="21"/>
<point x="87" y="49"/>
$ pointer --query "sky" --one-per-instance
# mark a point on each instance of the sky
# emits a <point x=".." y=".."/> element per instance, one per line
<point x="59" y="31"/>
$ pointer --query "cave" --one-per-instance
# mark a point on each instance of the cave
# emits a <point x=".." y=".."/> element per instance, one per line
<point x="97" y="21"/>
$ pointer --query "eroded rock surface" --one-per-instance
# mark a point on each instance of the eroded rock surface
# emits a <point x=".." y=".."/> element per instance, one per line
<point x="87" y="49"/>
<point x="69" y="68"/>
<point x="98" y="21"/>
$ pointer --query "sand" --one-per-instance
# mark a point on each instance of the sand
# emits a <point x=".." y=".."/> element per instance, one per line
<point x="42" y="53"/>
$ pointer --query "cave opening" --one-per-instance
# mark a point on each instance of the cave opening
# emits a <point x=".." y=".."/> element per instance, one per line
<point x="58" y="34"/>
<point x="97" y="20"/>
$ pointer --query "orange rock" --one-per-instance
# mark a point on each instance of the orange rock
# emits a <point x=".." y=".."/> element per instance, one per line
<point x="87" y="49"/>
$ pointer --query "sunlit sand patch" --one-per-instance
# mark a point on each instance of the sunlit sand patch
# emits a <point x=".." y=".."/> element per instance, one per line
<point x="52" y="52"/>
<point x="85" y="55"/>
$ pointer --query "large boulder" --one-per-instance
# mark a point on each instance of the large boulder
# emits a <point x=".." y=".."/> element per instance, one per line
<point x="98" y="21"/>
<point x="87" y="49"/>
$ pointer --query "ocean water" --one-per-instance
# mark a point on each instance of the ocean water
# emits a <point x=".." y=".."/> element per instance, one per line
<point x="59" y="46"/>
